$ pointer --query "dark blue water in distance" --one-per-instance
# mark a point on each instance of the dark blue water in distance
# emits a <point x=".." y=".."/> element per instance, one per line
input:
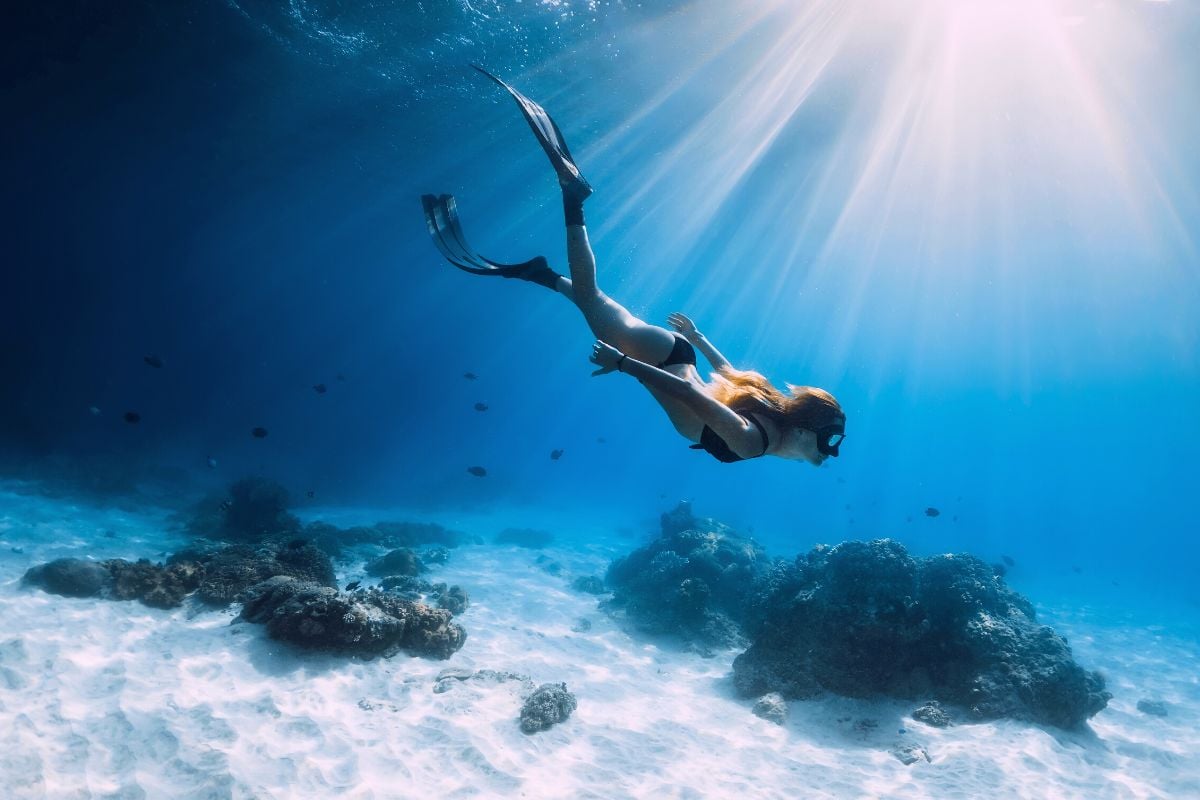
<point x="991" y="262"/>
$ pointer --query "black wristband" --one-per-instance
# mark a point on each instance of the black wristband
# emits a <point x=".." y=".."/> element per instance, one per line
<point x="619" y="360"/>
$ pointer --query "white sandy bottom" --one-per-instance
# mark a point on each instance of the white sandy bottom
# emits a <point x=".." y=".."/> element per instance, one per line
<point x="109" y="699"/>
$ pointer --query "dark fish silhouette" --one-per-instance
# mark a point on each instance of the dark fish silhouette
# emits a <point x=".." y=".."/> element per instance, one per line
<point x="600" y="440"/>
<point x="310" y="494"/>
<point x="471" y="376"/>
<point x="1078" y="570"/>
<point x="319" y="388"/>
<point x="478" y="472"/>
<point x="133" y="417"/>
<point x="481" y="407"/>
<point x="932" y="512"/>
<point x="352" y="585"/>
<point x="259" y="433"/>
<point x="1008" y="560"/>
<point x="153" y="361"/>
<point x="341" y="377"/>
<point x="555" y="455"/>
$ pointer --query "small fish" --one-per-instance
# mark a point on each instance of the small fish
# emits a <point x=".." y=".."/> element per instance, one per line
<point x="19" y="550"/>
<point x="258" y="433"/>
<point x="600" y="440"/>
<point x="1078" y="570"/>
<point x="478" y="472"/>
<point x="341" y="377"/>
<point x="555" y="455"/>
<point x="94" y="411"/>
<point x="212" y="463"/>
<point x="153" y="361"/>
<point x="481" y="407"/>
<point x="1008" y="560"/>
<point x="932" y="512"/>
<point x="352" y="585"/>
<point x="319" y="388"/>
<point x="133" y="417"/>
<point x="310" y="494"/>
<point x="471" y="376"/>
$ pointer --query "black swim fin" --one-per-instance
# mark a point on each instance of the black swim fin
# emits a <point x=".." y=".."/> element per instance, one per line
<point x="441" y="217"/>
<point x="551" y="140"/>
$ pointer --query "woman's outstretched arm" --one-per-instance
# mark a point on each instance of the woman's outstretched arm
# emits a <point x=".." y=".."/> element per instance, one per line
<point x="682" y="324"/>
<point x="740" y="435"/>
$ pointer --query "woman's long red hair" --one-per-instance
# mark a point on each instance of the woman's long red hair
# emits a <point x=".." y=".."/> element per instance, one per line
<point x="802" y="407"/>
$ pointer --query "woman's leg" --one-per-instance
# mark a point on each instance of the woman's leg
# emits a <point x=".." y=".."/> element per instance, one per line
<point x="608" y="319"/>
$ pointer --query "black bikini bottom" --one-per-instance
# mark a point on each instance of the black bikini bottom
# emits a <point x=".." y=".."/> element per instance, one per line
<point x="681" y="353"/>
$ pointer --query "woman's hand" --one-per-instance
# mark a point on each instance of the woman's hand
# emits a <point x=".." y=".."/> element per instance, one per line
<point x="683" y="325"/>
<point x="606" y="356"/>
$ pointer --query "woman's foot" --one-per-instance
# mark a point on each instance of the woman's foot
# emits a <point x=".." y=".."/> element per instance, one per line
<point x="575" y="189"/>
<point x="441" y="217"/>
<point x="551" y="139"/>
<point x="535" y="271"/>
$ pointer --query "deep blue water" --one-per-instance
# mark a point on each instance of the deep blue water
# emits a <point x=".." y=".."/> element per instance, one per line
<point x="979" y="232"/>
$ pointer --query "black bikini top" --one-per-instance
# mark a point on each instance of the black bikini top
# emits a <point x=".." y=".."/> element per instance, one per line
<point x="715" y="446"/>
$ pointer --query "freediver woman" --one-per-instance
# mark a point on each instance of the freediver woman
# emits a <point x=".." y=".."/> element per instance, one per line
<point x="737" y="415"/>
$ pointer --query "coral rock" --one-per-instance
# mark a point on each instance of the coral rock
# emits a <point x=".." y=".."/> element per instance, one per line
<point x="771" y="707"/>
<point x="549" y="705"/>
<point x="398" y="562"/>
<point x="72" y="577"/>
<point x="864" y="618"/>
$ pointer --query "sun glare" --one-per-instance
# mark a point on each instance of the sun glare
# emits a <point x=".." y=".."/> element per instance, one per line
<point x="928" y="158"/>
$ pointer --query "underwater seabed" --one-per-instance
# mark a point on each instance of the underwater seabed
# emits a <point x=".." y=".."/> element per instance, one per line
<point x="116" y="699"/>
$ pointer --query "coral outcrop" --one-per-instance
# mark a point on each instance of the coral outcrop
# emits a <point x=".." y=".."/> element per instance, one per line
<point x="154" y="585"/>
<point x="401" y="561"/>
<point x="696" y="581"/>
<point x="231" y="570"/>
<point x="549" y="705"/>
<point x="865" y="618"/>
<point x="364" y="623"/>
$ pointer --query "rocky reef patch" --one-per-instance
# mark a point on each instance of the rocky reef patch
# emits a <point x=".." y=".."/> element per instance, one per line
<point x="864" y="619"/>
